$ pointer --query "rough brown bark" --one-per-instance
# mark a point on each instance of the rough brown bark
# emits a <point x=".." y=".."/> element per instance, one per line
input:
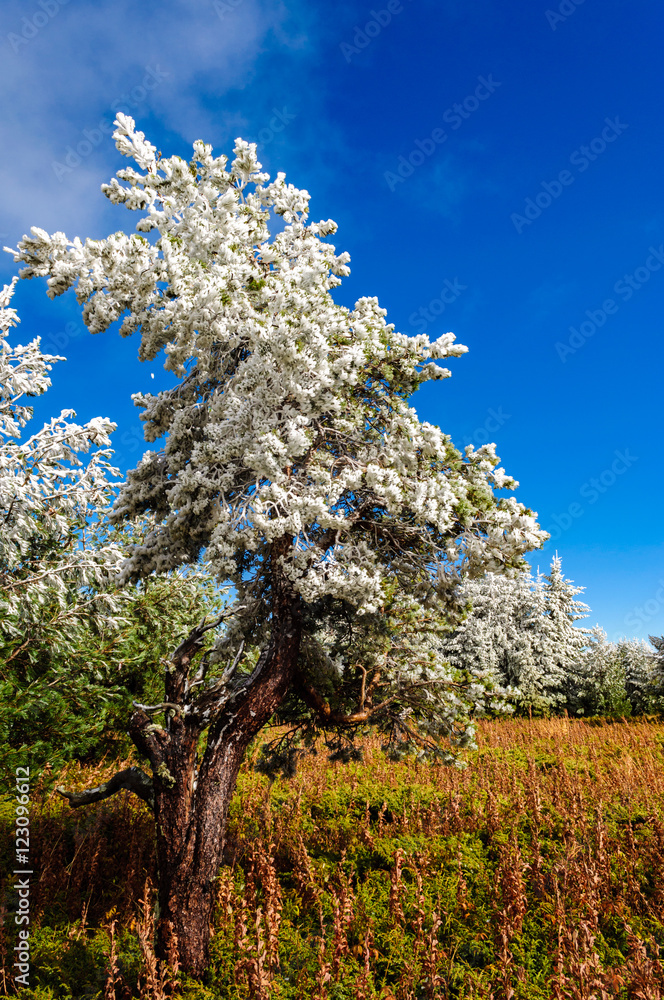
<point x="190" y="816"/>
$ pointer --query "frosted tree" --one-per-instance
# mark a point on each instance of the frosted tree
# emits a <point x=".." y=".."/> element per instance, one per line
<point x="56" y="559"/>
<point x="562" y="641"/>
<point x="521" y="630"/>
<point x="293" y="470"/>
<point x="52" y="537"/>
<point x="596" y="678"/>
<point x="496" y="637"/>
<point x="641" y="674"/>
<point x="656" y="680"/>
<point x="60" y="607"/>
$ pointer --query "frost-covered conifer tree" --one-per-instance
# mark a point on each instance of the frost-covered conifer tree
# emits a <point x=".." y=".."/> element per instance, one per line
<point x="656" y="686"/>
<point x="562" y="641"/>
<point x="497" y="635"/>
<point x="52" y="538"/>
<point x="644" y="689"/>
<point x="67" y="633"/>
<point x="56" y="559"/>
<point x="522" y="631"/>
<point x="295" y="470"/>
<point x="596" y="678"/>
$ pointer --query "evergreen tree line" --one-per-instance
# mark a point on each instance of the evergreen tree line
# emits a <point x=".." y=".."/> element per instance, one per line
<point x="522" y="632"/>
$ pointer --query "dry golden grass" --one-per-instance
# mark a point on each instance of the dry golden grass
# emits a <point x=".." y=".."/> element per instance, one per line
<point x="536" y="872"/>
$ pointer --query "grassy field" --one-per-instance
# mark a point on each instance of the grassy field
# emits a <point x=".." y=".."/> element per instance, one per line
<point x="536" y="872"/>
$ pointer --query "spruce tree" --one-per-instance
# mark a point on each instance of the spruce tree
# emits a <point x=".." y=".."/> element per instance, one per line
<point x="562" y="641"/>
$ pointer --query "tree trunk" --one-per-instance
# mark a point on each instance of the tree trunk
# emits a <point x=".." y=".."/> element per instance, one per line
<point x="190" y="815"/>
<point x="190" y="840"/>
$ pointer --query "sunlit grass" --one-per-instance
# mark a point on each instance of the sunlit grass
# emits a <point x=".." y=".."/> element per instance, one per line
<point x="536" y="872"/>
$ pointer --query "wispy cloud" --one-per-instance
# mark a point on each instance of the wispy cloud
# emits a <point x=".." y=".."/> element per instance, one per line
<point x="86" y="60"/>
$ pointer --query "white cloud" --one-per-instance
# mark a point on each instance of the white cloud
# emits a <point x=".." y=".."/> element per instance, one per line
<point x="85" y="57"/>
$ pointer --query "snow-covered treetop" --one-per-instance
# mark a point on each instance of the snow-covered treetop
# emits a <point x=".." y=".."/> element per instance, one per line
<point x="291" y="419"/>
<point x="22" y="372"/>
<point x="48" y="496"/>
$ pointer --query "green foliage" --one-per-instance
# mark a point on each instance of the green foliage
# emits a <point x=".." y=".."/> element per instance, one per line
<point x="72" y="961"/>
<point x="66" y="693"/>
<point x="597" y="680"/>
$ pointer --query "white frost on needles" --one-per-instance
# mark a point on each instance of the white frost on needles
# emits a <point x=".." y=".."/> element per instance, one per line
<point x="291" y="416"/>
<point x="49" y="498"/>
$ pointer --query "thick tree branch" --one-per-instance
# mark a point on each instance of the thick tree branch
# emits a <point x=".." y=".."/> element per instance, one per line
<point x="161" y="707"/>
<point x="177" y="684"/>
<point x="249" y="707"/>
<point x="149" y="740"/>
<point x="211" y="701"/>
<point x="132" y="779"/>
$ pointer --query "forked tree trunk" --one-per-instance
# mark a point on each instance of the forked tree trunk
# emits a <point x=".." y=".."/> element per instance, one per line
<point x="190" y="831"/>
<point x="190" y="827"/>
<point x="191" y="816"/>
<point x="190" y="813"/>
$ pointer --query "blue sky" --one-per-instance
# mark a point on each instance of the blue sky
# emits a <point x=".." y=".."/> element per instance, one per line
<point x="495" y="170"/>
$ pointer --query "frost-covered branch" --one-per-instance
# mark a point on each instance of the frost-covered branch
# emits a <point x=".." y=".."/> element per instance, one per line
<point x="53" y="538"/>
<point x="293" y="460"/>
